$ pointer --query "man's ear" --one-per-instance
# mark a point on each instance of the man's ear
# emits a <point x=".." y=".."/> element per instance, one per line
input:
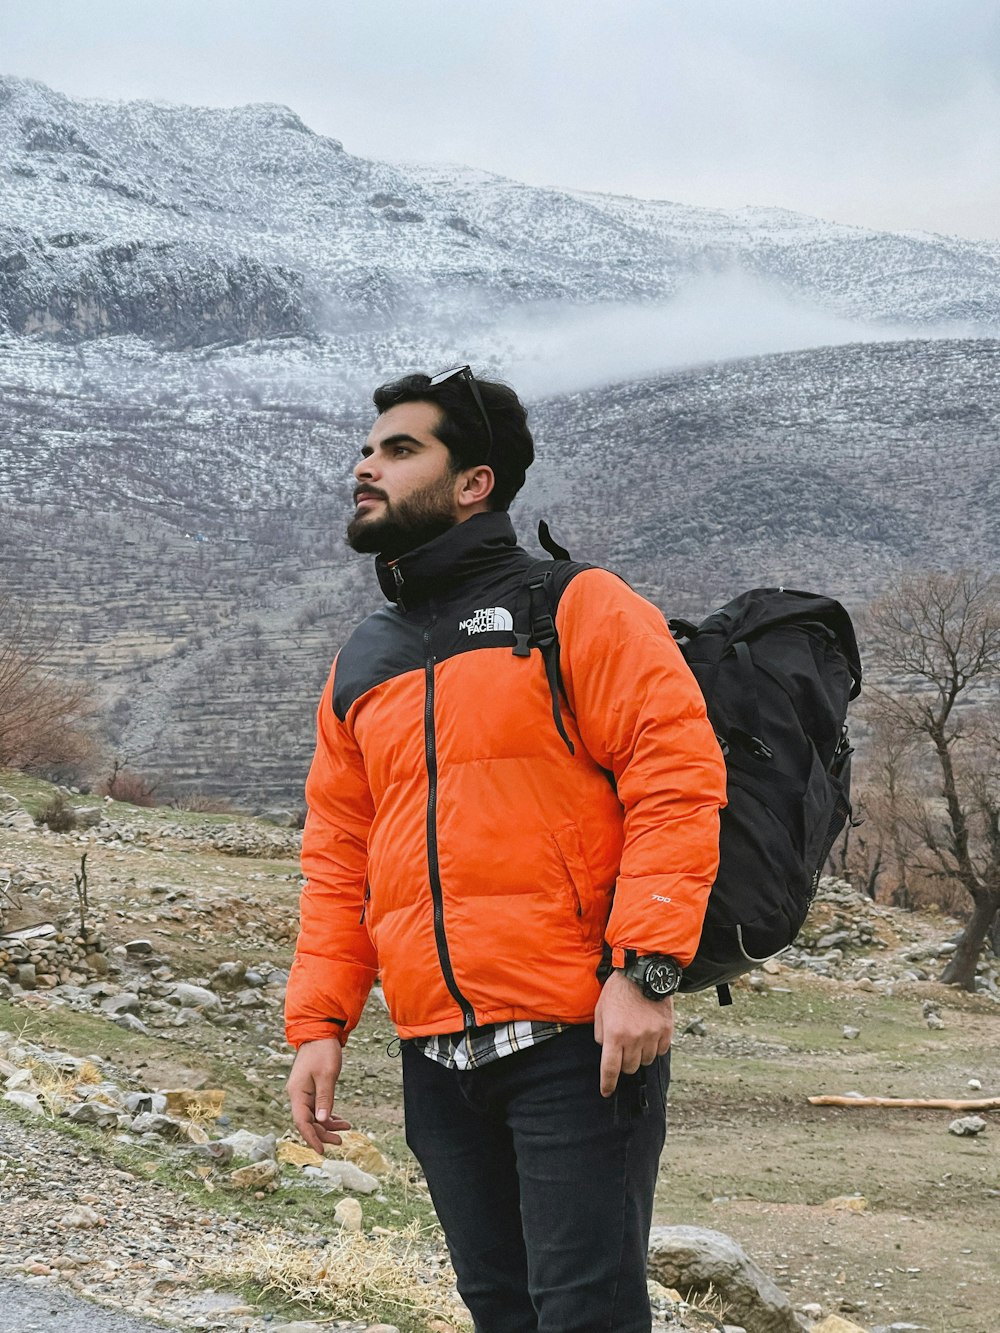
<point x="476" y="487"/>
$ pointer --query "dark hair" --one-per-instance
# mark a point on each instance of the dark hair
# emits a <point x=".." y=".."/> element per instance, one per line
<point x="463" y="432"/>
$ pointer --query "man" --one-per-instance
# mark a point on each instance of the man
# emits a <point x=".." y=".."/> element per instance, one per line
<point x="528" y="916"/>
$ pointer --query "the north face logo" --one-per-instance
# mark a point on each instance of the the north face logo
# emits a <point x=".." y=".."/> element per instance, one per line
<point x="487" y="619"/>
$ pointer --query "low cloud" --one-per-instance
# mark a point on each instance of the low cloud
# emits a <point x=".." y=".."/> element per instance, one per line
<point x="556" y="349"/>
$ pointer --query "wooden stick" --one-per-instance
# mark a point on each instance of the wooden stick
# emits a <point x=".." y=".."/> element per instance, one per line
<point x="934" y="1103"/>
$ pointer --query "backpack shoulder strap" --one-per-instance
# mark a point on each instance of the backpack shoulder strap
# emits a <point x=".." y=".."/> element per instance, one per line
<point x="535" y="608"/>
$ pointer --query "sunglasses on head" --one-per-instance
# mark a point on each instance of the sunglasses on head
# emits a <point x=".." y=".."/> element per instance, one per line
<point x="465" y="373"/>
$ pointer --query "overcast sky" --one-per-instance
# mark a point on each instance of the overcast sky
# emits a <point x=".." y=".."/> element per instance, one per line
<point x="880" y="112"/>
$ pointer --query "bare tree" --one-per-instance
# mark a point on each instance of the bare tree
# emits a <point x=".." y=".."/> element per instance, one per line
<point x="42" y="717"/>
<point x="936" y="640"/>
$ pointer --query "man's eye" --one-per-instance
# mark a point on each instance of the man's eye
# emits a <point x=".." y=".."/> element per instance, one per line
<point x="401" y="449"/>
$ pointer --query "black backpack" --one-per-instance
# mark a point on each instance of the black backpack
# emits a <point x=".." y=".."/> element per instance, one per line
<point x="777" y="668"/>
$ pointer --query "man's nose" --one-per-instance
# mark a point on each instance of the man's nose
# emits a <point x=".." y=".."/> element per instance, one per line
<point x="365" y="469"/>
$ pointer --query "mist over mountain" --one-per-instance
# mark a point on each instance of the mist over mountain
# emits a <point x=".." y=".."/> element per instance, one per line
<point x="194" y="305"/>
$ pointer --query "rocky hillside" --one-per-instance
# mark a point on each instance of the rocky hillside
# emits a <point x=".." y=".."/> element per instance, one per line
<point x="146" y="1158"/>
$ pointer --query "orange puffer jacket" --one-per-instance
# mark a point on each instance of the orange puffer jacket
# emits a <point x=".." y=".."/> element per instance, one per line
<point x="454" y="843"/>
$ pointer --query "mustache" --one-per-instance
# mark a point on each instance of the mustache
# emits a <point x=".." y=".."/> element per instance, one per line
<point x="359" y="491"/>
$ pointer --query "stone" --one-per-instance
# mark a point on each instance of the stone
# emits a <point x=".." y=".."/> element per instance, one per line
<point x="27" y="1101"/>
<point x="967" y="1126"/>
<point x="257" y="1176"/>
<point x="82" y="1216"/>
<point x="297" y="1154"/>
<point x="848" y="1203"/>
<point x="851" y="1034"/>
<point x="186" y="995"/>
<point x="358" y="1148"/>
<point x="139" y="948"/>
<point x="251" y="1147"/>
<point x="94" y="1113"/>
<point x="207" y="1102"/>
<point x="835" y="1323"/>
<point x="26" y="976"/>
<point x="974" y="1084"/>
<point x="935" y="1022"/>
<point x="348" y="1215"/>
<point x="149" y="1122"/>
<point x="228" y="976"/>
<point x="97" y="963"/>
<point x="127" y="1002"/>
<point x="696" y="1259"/>
<point x="347" y="1176"/>
<point x="131" y="1023"/>
<point x="215" y="1151"/>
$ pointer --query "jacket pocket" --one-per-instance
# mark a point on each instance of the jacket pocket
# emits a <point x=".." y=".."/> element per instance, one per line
<point x="577" y="881"/>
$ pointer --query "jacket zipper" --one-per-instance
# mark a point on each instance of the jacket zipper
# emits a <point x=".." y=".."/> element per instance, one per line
<point x="433" y="868"/>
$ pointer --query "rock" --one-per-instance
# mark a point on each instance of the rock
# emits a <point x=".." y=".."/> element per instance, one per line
<point x="185" y="1102"/>
<point x="251" y="1147"/>
<point x="297" y="1154"/>
<point x="149" y="1122"/>
<point x="131" y="1023"/>
<point x="834" y="1323"/>
<point x="347" y="1176"/>
<point x="138" y="1102"/>
<point x="848" y="1203"/>
<point x="228" y="976"/>
<point x="348" y="1215"/>
<point x="26" y="976"/>
<point x="358" y="1148"/>
<point x="139" y="948"/>
<point x="186" y="995"/>
<point x="257" y="1176"/>
<point x="696" y="1028"/>
<point x="82" y="1216"/>
<point x="94" y="1113"/>
<point x="852" y="1033"/>
<point x="696" y="1259"/>
<point x="27" y="1101"/>
<point x="974" y="1084"/>
<point x="215" y="1151"/>
<point x="125" y="1003"/>
<point x="967" y="1126"/>
<point x="935" y="1022"/>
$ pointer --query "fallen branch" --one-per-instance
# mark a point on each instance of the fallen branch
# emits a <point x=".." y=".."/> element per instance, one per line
<point x="934" y="1103"/>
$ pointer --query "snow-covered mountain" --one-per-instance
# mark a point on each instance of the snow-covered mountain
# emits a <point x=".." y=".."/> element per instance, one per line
<point x="190" y="225"/>
<point x="194" y="305"/>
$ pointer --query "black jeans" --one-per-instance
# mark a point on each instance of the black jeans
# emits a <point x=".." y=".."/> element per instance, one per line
<point x="544" y="1188"/>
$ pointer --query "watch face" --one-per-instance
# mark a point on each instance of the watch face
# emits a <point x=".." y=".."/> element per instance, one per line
<point x="662" y="977"/>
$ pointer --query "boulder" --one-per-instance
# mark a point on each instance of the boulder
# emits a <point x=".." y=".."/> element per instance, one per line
<point x="694" y="1259"/>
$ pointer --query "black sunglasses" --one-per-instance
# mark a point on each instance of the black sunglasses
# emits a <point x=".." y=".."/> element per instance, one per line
<point x="465" y="373"/>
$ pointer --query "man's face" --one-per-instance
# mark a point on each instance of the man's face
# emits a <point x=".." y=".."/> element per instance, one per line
<point x="405" y="492"/>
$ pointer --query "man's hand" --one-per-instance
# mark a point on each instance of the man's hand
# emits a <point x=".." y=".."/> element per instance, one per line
<point x="632" y="1030"/>
<point x="311" y="1086"/>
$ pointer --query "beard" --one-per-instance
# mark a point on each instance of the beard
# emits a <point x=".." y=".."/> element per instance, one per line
<point x="418" y="518"/>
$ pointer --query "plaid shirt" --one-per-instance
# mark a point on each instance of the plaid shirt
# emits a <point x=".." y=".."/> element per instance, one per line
<point x="481" y="1046"/>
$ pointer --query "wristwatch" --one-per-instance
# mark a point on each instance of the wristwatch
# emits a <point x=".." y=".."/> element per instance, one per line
<point x="656" y="974"/>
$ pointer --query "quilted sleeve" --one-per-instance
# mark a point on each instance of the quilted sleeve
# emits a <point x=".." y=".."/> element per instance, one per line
<point x="641" y="715"/>
<point x="335" y="963"/>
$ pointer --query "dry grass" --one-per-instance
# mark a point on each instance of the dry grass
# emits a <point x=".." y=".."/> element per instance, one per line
<point x="351" y="1277"/>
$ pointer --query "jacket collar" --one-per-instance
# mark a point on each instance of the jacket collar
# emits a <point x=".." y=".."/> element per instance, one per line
<point x="431" y="570"/>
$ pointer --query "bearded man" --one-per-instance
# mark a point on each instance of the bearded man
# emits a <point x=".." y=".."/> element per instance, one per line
<point x="529" y="917"/>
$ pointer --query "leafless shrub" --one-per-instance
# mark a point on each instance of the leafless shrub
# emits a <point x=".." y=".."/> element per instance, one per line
<point x="58" y="815"/>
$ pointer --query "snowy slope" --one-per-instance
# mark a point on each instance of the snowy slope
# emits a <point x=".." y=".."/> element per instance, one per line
<point x="251" y="194"/>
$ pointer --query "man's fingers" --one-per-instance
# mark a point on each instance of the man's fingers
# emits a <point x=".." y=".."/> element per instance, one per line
<point x="611" y="1068"/>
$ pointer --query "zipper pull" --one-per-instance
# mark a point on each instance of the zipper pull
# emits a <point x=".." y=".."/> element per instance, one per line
<point x="364" y="905"/>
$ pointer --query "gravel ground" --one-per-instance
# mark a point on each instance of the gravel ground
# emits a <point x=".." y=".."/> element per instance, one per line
<point x="43" y="1308"/>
